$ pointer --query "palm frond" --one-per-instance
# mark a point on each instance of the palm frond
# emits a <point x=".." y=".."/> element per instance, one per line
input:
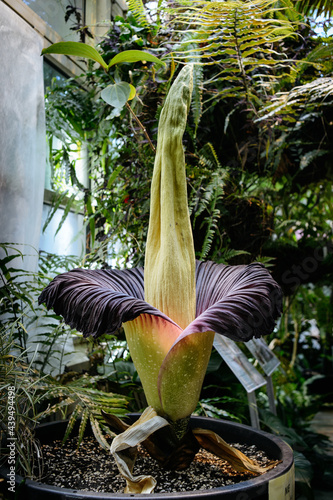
<point x="83" y="425"/>
<point x="82" y="403"/>
<point x="98" y="433"/>
<point x="74" y="416"/>
<point x="318" y="7"/>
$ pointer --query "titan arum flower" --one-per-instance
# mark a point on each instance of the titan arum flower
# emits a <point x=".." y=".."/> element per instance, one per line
<point x="171" y="309"/>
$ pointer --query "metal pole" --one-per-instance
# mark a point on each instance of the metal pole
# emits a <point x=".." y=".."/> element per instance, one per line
<point x="270" y="394"/>
<point x="253" y="407"/>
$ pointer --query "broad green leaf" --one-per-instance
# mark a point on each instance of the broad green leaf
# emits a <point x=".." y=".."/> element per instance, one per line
<point x="76" y="49"/>
<point x="117" y="94"/>
<point x="133" y="56"/>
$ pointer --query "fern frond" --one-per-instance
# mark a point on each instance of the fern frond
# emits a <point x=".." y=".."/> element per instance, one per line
<point x="196" y="103"/>
<point x="267" y="261"/>
<point x="210" y="232"/>
<point x="205" y="199"/>
<point x="194" y="57"/>
<point x="308" y="158"/>
<point x="228" y="254"/>
<point x="299" y="97"/>
<point x="139" y="12"/>
<point x="239" y="37"/>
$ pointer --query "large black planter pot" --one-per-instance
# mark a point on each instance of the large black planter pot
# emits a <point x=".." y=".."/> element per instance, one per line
<point x="276" y="484"/>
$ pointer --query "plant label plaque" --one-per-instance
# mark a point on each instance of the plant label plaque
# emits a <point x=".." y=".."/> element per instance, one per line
<point x="246" y="373"/>
<point x="263" y="354"/>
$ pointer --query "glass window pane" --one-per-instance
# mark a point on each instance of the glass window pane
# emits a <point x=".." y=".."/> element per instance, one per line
<point x="52" y="76"/>
<point x="53" y="12"/>
<point x="70" y="240"/>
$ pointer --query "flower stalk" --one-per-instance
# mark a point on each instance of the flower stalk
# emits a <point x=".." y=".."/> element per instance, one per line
<point x="169" y="275"/>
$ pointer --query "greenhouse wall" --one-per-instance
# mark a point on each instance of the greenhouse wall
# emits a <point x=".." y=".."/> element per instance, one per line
<point x="22" y="134"/>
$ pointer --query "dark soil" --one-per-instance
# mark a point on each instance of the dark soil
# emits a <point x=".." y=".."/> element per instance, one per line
<point x="90" y="468"/>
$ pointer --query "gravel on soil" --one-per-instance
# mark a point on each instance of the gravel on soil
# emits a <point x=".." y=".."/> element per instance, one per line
<point x="90" y="468"/>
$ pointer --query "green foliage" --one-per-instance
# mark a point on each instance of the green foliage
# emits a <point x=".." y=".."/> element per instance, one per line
<point x="117" y="95"/>
<point x="210" y="407"/>
<point x="139" y="12"/>
<point x="18" y="401"/>
<point x="20" y="314"/>
<point x="241" y="39"/>
<point x="77" y="399"/>
<point x="77" y="49"/>
<point x="318" y="7"/>
<point x="259" y="169"/>
<point x="32" y="342"/>
<point x="83" y="50"/>
<point x="207" y="189"/>
<point x="80" y="399"/>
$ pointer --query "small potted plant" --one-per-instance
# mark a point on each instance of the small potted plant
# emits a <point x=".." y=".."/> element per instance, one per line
<point x="170" y="312"/>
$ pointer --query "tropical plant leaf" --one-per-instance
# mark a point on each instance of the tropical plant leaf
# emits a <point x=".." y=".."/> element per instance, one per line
<point x="303" y="468"/>
<point x="114" y="175"/>
<point x="69" y="206"/>
<point x="117" y="94"/>
<point x="58" y="199"/>
<point x="76" y="49"/>
<point x="130" y="56"/>
<point x="58" y="406"/>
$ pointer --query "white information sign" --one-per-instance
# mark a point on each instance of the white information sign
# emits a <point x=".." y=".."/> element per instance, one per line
<point x="266" y="358"/>
<point x="246" y="373"/>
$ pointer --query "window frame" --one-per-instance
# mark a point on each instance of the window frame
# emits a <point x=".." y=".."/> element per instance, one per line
<point x="69" y="66"/>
